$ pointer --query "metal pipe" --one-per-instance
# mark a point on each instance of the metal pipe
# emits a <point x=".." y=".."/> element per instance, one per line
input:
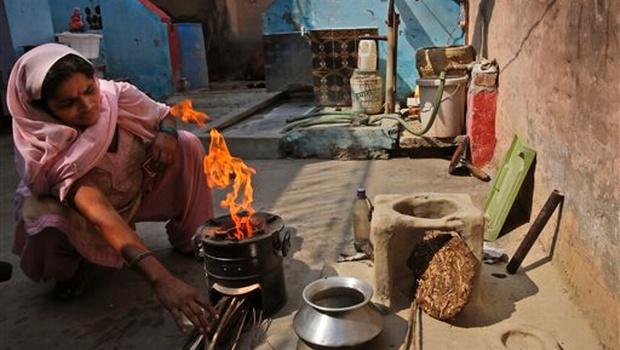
<point x="395" y="56"/>
<point x="372" y="37"/>
<point x="390" y="13"/>
<point x="541" y="220"/>
<point x="392" y="42"/>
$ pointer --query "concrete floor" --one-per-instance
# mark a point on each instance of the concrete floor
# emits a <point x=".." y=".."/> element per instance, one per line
<point x="314" y="198"/>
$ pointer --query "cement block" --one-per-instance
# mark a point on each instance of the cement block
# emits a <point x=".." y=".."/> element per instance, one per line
<point x="258" y="137"/>
<point x="342" y="142"/>
<point x="409" y="141"/>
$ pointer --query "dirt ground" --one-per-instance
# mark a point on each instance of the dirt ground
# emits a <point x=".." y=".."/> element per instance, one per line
<point x="314" y="198"/>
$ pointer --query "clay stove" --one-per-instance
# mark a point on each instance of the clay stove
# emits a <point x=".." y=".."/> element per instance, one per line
<point x="400" y="222"/>
<point x="250" y="266"/>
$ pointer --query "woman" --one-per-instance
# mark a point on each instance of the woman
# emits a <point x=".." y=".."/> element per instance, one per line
<point x="94" y="157"/>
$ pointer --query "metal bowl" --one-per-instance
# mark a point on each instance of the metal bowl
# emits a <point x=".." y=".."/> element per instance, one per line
<point x="337" y="312"/>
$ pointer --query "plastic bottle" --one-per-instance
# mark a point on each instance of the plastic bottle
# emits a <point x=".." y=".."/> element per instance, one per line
<point x="367" y="55"/>
<point x="362" y="213"/>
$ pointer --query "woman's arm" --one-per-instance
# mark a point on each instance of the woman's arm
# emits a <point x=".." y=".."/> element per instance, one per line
<point x="165" y="142"/>
<point x="176" y="296"/>
<point x="169" y="120"/>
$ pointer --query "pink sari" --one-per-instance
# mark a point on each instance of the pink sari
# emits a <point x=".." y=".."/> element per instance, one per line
<point x="51" y="156"/>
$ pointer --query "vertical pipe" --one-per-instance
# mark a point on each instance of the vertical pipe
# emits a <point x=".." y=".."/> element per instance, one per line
<point x="465" y="20"/>
<point x="389" y="73"/>
<point x="392" y="42"/>
<point x="395" y="59"/>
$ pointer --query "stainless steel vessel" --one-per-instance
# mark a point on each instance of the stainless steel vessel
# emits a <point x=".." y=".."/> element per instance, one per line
<point x="337" y="312"/>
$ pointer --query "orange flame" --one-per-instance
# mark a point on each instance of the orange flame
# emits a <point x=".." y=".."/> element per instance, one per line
<point x="184" y="111"/>
<point x="221" y="169"/>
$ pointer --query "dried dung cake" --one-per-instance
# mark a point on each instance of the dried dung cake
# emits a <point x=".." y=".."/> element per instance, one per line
<point x="445" y="269"/>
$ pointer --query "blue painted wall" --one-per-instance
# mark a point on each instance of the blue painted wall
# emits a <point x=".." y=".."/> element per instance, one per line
<point x="423" y="23"/>
<point x="136" y="46"/>
<point x="29" y="22"/>
<point x="62" y="10"/>
<point x="193" y="54"/>
<point x="6" y="61"/>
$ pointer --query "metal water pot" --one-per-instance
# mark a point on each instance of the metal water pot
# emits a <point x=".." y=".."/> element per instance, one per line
<point x="337" y="312"/>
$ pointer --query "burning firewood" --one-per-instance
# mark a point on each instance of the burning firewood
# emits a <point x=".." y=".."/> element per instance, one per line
<point x="227" y="229"/>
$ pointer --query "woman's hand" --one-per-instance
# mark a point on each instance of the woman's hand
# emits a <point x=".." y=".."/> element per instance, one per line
<point x="181" y="299"/>
<point x="176" y="296"/>
<point x="165" y="143"/>
<point x="163" y="149"/>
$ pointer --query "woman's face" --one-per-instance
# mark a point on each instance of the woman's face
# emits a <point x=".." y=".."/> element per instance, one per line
<point x="76" y="101"/>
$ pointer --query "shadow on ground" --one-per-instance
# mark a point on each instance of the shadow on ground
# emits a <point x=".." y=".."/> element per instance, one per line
<point x="494" y="297"/>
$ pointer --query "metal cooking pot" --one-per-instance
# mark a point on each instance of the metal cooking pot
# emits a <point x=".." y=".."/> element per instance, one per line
<point x="337" y="312"/>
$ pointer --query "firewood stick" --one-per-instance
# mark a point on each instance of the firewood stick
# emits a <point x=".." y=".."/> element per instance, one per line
<point x="242" y="324"/>
<point x="196" y="342"/>
<point x="232" y="309"/>
<point x="420" y="330"/>
<point x="259" y="330"/>
<point x="253" y="329"/>
<point x="219" y="306"/>
<point x="541" y="220"/>
<point x="192" y="341"/>
<point x="218" y="330"/>
<point x="410" y="342"/>
<point x="234" y="316"/>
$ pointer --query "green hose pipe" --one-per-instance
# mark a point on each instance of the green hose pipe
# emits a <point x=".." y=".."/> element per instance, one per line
<point x="436" y="105"/>
<point x="321" y="114"/>
<point x="327" y="118"/>
<point x="312" y="123"/>
<point x="374" y="120"/>
<point x="362" y="119"/>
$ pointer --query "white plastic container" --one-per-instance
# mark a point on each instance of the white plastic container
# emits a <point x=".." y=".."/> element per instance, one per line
<point x="366" y="92"/>
<point x="85" y="43"/>
<point x="450" y="120"/>
<point x="367" y="55"/>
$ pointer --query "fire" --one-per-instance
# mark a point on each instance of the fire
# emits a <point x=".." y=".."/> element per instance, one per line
<point x="188" y="114"/>
<point x="221" y="169"/>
